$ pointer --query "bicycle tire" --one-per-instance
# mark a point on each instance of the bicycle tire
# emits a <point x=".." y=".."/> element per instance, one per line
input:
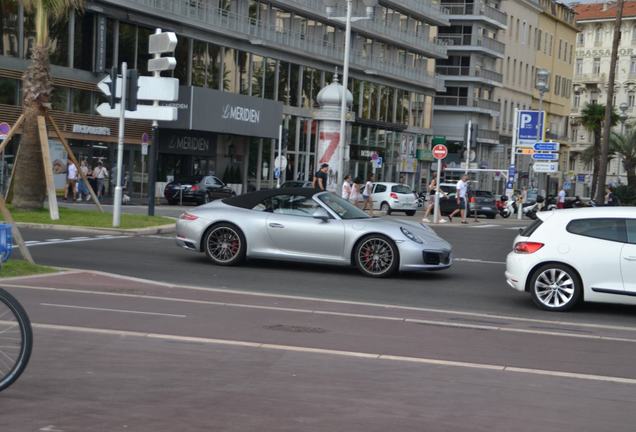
<point x="14" y="324"/>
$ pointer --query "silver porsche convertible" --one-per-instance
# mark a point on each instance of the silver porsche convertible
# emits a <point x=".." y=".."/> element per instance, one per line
<point x="300" y="224"/>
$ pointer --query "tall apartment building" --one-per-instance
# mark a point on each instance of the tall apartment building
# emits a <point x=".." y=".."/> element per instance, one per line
<point x="591" y="71"/>
<point x="519" y="71"/>
<point x="256" y="54"/>
<point x="472" y="73"/>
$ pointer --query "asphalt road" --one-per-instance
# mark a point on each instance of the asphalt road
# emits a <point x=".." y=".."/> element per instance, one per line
<point x="273" y="346"/>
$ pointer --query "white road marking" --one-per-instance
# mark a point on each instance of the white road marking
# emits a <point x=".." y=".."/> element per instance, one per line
<point x="325" y="300"/>
<point x="111" y="310"/>
<point x="54" y="240"/>
<point x="485" y="226"/>
<point x="516" y="228"/>
<point x="405" y="320"/>
<point x="71" y="240"/>
<point x="80" y="238"/>
<point x="352" y="354"/>
<point x="471" y="260"/>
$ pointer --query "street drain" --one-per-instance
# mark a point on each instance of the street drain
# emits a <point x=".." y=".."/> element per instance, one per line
<point x="295" y="329"/>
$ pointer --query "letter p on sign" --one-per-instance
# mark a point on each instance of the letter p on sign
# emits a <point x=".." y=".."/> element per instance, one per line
<point x="526" y="121"/>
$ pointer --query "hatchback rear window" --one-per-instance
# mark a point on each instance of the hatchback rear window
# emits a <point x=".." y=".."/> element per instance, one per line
<point x="401" y="189"/>
<point x="530" y="229"/>
<point x="612" y="229"/>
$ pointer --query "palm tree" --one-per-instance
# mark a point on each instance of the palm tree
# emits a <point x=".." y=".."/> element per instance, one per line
<point x="29" y="185"/>
<point x="624" y="146"/>
<point x="592" y="118"/>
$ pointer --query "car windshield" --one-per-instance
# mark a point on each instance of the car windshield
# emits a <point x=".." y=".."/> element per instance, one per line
<point x="401" y="189"/>
<point x="341" y="207"/>
<point x="189" y="180"/>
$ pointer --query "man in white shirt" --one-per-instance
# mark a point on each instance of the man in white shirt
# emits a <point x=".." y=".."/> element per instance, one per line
<point x="71" y="181"/>
<point x="561" y="199"/>
<point x="462" y="190"/>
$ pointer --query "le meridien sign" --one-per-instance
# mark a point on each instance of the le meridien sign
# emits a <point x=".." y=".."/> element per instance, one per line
<point x="187" y="142"/>
<point x="208" y="110"/>
<point x="244" y="114"/>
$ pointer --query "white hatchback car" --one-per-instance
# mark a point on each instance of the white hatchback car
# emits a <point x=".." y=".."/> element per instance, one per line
<point x="391" y="197"/>
<point x="568" y="256"/>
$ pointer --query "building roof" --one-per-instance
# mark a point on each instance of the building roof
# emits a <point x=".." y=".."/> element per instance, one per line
<point x="603" y="10"/>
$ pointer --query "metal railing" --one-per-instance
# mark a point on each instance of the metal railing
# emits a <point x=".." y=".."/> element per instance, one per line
<point x="463" y="101"/>
<point x="200" y="14"/>
<point x="453" y="40"/>
<point x="476" y="9"/>
<point x="467" y="71"/>
<point x="486" y="104"/>
<point x="590" y="78"/>
<point x="489" y="75"/>
<point x="424" y="8"/>
<point x="488" y="134"/>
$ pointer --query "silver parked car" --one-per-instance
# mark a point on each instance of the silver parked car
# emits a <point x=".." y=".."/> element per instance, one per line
<point x="390" y="197"/>
<point x="300" y="224"/>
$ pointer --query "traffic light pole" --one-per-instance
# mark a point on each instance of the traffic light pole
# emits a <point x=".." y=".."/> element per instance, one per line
<point x="120" y="147"/>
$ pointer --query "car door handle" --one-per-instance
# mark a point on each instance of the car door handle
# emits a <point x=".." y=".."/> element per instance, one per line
<point x="276" y="225"/>
<point x="630" y="258"/>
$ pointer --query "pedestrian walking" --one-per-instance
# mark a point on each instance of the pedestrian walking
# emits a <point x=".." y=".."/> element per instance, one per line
<point x="432" y="189"/>
<point x="347" y="188"/>
<point x="82" y="187"/>
<point x="610" y="197"/>
<point x="561" y="198"/>
<point x="100" y="174"/>
<point x="71" y="181"/>
<point x="366" y="194"/>
<point x="461" y="189"/>
<point x="356" y="195"/>
<point x="320" y="178"/>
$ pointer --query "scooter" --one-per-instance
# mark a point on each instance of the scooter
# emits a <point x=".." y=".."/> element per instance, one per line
<point x="531" y="210"/>
<point x="506" y="207"/>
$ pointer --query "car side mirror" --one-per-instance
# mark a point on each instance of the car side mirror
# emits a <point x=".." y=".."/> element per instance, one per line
<point x="321" y="214"/>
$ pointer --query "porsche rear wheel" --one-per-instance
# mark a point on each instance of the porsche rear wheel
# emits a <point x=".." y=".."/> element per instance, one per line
<point x="224" y="244"/>
<point x="376" y="256"/>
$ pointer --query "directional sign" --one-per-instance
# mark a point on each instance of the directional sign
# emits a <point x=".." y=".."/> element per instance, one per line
<point x="162" y="64"/>
<point x="150" y="88"/>
<point x="545" y="167"/>
<point x="546" y="156"/>
<point x="547" y="146"/>
<point x="162" y="42"/>
<point x="144" y="112"/>
<point x="440" y="151"/>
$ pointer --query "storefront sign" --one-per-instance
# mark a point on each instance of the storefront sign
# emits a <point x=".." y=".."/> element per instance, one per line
<point x="91" y="130"/>
<point x="187" y="142"/>
<point x="210" y="110"/>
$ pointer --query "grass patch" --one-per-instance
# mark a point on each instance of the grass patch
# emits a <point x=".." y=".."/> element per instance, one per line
<point x="86" y="218"/>
<point x="17" y="267"/>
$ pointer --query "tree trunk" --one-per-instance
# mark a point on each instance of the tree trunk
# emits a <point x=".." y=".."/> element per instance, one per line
<point x="29" y="184"/>
<point x="630" y="169"/>
<point x="596" y="162"/>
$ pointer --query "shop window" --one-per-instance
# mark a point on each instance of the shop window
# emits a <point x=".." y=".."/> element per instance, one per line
<point x="127" y="44"/>
<point x="229" y="70"/>
<point x="283" y="82"/>
<point x="8" y="91"/>
<point x="181" y="55"/>
<point x="59" y="99"/>
<point x="110" y="41"/>
<point x="58" y="39"/>
<point x="9" y="29"/>
<point x="294" y="82"/>
<point x="257" y="75"/>
<point x="81" y="101"/>
<point x="199" y="63"/>
<point x="214" y="66"/>
<point x="270" y="78"/>
<point x="29" y="34"/>
<point x="311" y="87"/>
<point x="143" y="56"/>
<point x="243" y="63"/>
<point x="83" y="42"/>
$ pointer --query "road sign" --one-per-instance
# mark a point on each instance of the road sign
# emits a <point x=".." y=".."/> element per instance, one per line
<point x="162" y="64"/>
<point x="4" y="130"/>
<point x="567" y="185"/>
<point x="277" y="173"/>
<point x="377" y="162"/>
<point x="580" y="178"/>
<point x="547" y="146"/>
<point x="545" y="167"/>
<point x="546" y="156"/>
<point x="440" y="151"/>
<point x="374" y="156"/>
<point x="162" y="42"/>
<point x="525" y="151"/>
<point x="144" y="112"/>
<point x="150" y="88"/>
<point x="530" y="127"/>
<point x="280" y="162"/>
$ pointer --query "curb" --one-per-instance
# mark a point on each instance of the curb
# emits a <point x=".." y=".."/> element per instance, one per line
<point x="161" y="229"/>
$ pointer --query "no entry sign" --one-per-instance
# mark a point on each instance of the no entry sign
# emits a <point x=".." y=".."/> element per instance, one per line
<point x="440" y="151"/>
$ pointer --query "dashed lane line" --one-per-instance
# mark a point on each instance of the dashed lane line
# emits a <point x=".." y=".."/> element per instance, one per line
<point x="64" y="306"/>
<point x="352" y="354"/>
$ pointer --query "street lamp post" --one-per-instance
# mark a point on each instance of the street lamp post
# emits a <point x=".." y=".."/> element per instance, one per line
<point x="330" y="6"/>
<point x="542" y="86"/>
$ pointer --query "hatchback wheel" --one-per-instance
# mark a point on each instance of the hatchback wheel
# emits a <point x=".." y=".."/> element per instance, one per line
<point x="224" y="244"/>
<point x="385" y="207"/>
<point x="410" y="212"/>
<point x="376" y="256"/>
<point x="555" y="287"/>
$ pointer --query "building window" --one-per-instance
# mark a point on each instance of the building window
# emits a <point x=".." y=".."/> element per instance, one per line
<point x="579" y="66"/>
<point x="539" y="39"/>
<point x="577" y="100"/>
<point x="598" y="36"/>
<point x="9" y="29"/>
<point x="631" y="98"/>
<point x="580" y="39"/>
<point x="632" y="65"/>
<point x="557" y="85"/>
<point x="8" y="91"/>
<point x="596" y="66"/>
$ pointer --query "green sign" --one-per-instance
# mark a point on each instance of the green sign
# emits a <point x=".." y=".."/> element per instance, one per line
<point x="438" y="139"/>
<point x="425" y="155"/>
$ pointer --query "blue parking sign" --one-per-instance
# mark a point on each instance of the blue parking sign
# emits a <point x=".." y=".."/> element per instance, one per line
<point x="530" y="127"/>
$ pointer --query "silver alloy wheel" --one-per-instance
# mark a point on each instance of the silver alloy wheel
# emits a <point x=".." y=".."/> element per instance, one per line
<point x="554" y="288"/>
<point x="224" y="244"/>
<point x="376" y="256"/>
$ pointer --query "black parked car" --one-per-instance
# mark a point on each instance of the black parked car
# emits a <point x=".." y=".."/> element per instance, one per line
<point x="198" y="189"/>
<point x="484" y="203"/>
<point x="296" y="184"/>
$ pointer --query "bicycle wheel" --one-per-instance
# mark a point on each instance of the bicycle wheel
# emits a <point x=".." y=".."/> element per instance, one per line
<point x="16" y="339"/>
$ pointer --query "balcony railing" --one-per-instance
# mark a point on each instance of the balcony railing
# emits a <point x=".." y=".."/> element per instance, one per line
<point x="476" y="9"/>
<point x="464" y="40"/>
<point x="463" y="101"/>
<point x="467" y="71"/>
<point x="256" y="31"/>
<point x="488" y="134"/>
<point x="486" y="104"/>
<point x="424" y="8"/>
<point x="590" y="78"/>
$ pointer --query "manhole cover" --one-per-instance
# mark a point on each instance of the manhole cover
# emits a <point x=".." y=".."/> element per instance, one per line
<point x="295" y="329"/>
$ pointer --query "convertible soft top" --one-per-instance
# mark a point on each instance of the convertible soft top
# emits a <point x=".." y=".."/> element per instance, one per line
<point x="250" y="200"/>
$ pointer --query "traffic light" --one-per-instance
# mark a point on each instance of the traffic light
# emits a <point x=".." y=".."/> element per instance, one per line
<point x="131" y="90"/>
<point x="112" y="86"/>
